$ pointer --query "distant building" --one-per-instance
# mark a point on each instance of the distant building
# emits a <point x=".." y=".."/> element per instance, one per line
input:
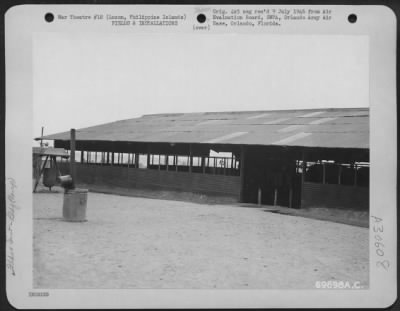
<point x="296" y="158"/>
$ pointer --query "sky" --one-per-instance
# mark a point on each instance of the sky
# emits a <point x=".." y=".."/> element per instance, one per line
<point x="86" y="79"/>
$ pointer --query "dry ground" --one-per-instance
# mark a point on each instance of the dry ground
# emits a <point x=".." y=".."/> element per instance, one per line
<point x="345" y="216"/>
<point x="145" y="243"/>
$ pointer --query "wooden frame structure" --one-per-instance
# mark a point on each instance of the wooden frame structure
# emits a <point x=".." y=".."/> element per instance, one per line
<point x="254" y="173"/>
<point x="51" y="155"/>
<point x="274" y="156"/>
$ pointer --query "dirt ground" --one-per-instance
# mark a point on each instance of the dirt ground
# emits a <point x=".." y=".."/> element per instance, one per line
<point x="345" y="216"/>
<point x="131" y="242"/>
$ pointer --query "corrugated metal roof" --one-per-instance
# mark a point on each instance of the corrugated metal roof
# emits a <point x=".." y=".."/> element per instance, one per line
<point x="330" y="128"/>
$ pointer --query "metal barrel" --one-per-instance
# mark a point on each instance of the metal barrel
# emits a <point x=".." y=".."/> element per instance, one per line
<point x="75" y="203"/>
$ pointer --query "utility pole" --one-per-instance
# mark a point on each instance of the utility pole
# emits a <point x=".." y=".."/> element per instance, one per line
<point x="72" y="167"/>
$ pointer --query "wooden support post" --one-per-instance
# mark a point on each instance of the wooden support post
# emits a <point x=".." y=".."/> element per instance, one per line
<point x="190" y="158"/>
<point x="40" y="173"/>
<point x="148" y="160"/>
<point x="108" y="157"/>
<point x="323" y="173"/>
<point x="355" y="175"/>
<point x="224" y="166"/>
<point x="129" y="159"/>
<point x="159" y="162"/>
<point x="136" y="160"/>
<point x="340" y="175"/>
<point x="166" y="161"/>
<point x="72" y="166"/>
<point x="41" y="138"/>
<point x="215" y="165"/>
<point x="232" y="159"/>
<point x="82" y="157"/>
<point x="176" y="162"/>
<point x="275" y="196"/>
<point x="112" y="158"/>
<point x="242" y="172"/>
<point x="203" y="165"/>
<point x="303" y="174"/>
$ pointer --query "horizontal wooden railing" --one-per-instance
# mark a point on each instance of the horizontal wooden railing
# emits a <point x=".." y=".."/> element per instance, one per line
<point x="117" y="176"/>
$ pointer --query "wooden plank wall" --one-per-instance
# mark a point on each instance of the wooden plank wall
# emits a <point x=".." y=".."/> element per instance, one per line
<point x="146" y="178"/>
<point x="335" y="196"/>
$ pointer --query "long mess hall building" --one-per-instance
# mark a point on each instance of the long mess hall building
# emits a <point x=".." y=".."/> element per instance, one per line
<point x="294" y="158"/>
